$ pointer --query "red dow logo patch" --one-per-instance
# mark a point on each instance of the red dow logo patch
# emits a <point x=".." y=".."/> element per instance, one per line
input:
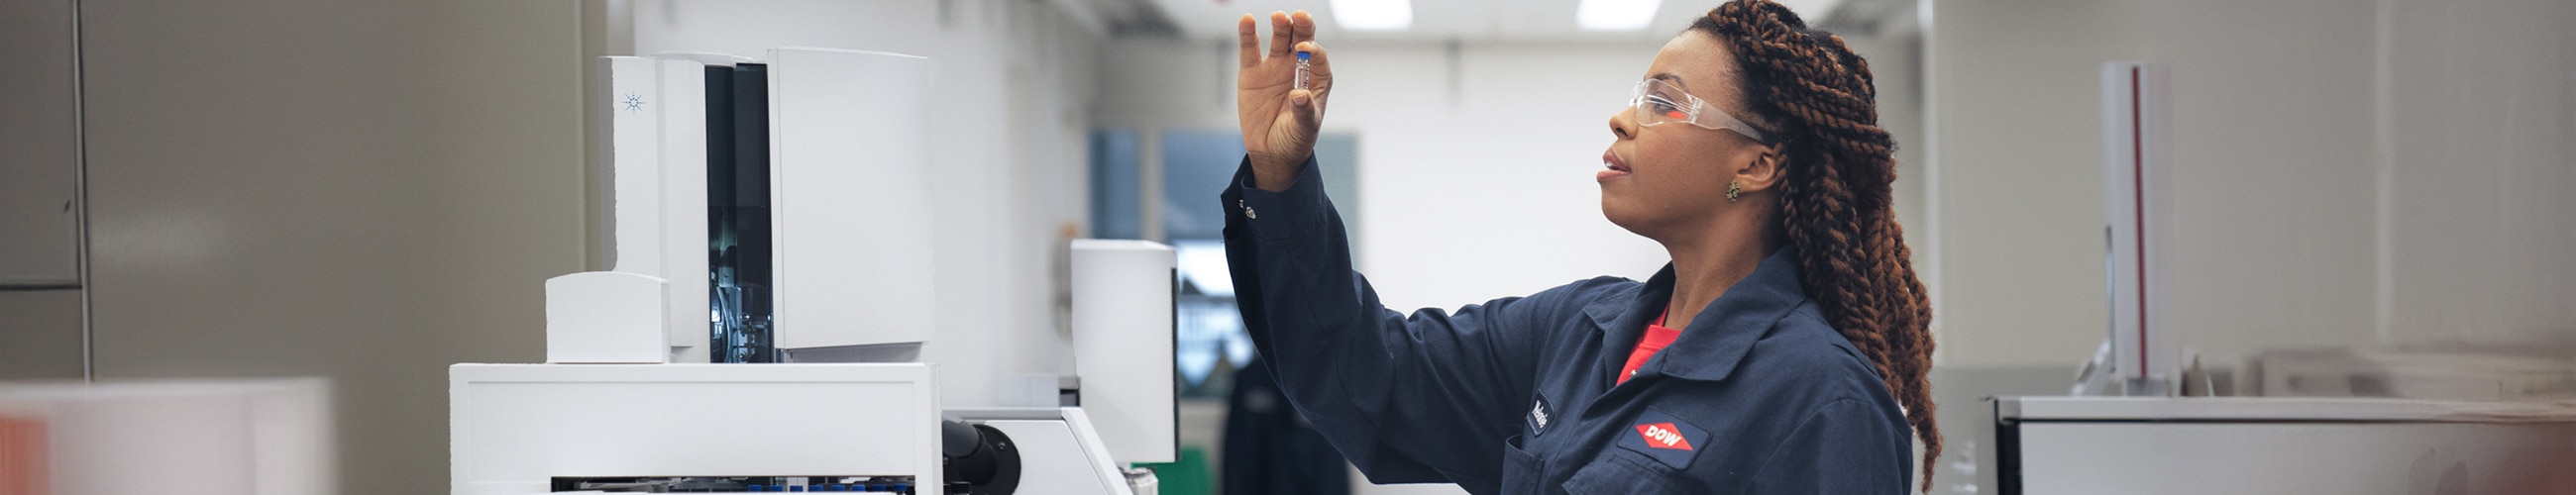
<point x="1663" y="436"/>
<point x="1666" y="438"/>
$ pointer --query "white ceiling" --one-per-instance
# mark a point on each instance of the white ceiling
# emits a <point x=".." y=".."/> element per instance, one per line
<point x="1479" y="20"/>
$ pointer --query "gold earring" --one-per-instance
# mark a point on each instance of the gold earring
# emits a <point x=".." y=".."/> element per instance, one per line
<point x="1733" y="189"/>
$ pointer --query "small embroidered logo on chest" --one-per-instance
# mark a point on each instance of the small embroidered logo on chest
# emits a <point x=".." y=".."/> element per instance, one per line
<point x="1538" y="416"/>
<point x="1663" y="436"/>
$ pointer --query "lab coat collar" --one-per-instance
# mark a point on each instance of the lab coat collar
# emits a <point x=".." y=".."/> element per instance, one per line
<point x="1721" y="334"/>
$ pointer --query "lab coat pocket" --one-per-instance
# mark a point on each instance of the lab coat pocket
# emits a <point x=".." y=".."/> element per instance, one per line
<point x="1619" y="473"/>
<point x="1521" y="469"/>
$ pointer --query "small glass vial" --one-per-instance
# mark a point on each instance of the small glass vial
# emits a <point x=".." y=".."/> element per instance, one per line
<point x="1301" y="68"/>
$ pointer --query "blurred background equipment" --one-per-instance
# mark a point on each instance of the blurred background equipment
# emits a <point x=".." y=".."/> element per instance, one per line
<point x="1271" y="448"/>
<point x="213" y="437"/>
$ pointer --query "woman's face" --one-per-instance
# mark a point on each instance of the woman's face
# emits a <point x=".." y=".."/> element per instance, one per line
<point x="1671" y="178"/>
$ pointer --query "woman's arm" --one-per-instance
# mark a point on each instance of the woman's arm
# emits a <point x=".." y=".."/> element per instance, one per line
<point x="1845" y="446"/>
<point x="1425" y="398"/>
<point x="1422" y="398"/>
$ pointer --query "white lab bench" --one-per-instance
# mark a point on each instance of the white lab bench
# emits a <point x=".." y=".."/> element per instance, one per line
<point x="2270" y="445"/>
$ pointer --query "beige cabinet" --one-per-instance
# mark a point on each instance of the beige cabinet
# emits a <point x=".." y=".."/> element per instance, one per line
<point x="39" y="146"/>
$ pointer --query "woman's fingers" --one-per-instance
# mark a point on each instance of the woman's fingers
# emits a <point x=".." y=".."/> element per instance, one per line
<point x="1304" y="25"/>
<point x="1282" y="34"/>
<point x="1248" y="33"/>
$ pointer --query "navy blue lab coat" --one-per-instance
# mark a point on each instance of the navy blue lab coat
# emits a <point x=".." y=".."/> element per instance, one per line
<point x="1517" y="395"/>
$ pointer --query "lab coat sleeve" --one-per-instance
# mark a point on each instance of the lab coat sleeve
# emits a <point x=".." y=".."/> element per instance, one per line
<point x="1840" y="448"/>
<point x="1428" y="397"/>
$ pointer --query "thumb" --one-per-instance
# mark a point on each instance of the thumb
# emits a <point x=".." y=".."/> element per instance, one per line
<point x="1302" y="103"/>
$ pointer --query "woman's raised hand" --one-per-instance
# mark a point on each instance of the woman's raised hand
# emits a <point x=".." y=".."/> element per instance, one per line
<point x="1280" y="121"/>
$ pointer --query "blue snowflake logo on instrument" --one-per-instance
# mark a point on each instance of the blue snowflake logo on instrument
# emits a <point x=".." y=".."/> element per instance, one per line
<point x="633" y="102"/>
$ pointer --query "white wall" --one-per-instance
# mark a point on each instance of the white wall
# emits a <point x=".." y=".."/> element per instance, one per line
<point x="2478" y="175"/>
<point x="1008" y="143"/>
<point x="2346" y="174"/>
<point x="1475" y="189"/>
<point x="1481" y="186"/>
<point x="2018" y="242"/>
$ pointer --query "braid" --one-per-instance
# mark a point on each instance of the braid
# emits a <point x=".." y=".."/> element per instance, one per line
<point x="1835" y="197"/>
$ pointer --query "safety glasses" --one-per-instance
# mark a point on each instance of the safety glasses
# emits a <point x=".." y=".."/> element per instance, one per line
<point x="1657" y="102"/>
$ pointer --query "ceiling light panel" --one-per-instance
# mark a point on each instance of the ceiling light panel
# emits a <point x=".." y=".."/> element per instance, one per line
<point x="1615" y="15"/>
<point x="1373" y="15"/>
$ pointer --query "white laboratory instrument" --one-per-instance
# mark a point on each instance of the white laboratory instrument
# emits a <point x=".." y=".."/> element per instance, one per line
<point x="657" y="215"/>
<point x="1120" y="287"/>
<point x="523" y="429"/>
<point x="760" y="326"/>
<point x="1059" y="453"/>
<point x="850" y="198"/>
<point x="2266" y="445"/>
<point x="2137" y="198"/>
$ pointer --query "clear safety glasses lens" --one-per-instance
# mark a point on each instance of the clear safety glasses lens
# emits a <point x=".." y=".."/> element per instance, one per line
<point x="1656" y="102"/>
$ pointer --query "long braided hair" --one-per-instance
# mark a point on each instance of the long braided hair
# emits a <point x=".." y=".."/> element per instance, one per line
<point x="1834" y="200"/>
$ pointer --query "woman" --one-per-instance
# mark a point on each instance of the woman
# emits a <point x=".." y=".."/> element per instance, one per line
<point x="1783" y="350"/>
